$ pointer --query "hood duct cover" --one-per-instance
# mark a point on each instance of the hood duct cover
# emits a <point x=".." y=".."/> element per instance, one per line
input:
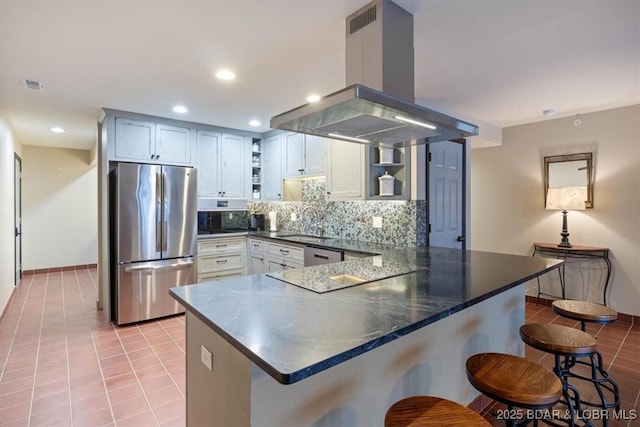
<point x="380" y="54"/>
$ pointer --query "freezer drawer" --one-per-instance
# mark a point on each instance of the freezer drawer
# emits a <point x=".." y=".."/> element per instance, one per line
<point x="143" y="288"/>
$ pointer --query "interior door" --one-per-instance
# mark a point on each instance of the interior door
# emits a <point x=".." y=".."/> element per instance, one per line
<point x="446" y="194"/>
<point x="17" y="202"/>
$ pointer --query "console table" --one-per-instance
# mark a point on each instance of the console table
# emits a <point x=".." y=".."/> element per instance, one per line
<point x="575" y="251"/>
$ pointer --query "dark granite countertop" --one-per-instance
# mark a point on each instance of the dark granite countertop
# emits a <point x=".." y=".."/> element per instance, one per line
<point x="292" y="333"/>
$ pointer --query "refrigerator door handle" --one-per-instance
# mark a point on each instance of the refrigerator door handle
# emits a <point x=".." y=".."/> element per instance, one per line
<point x="148" y="267"/>
<point x="159" y="234"/>
<point x="165" y="214"/>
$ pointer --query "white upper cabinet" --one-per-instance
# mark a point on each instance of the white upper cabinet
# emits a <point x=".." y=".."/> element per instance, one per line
<point x="272" y="168"/>
<point x="345" y="177"/>
<point x="150" y="142"/>
<point x="314" y="155"/>
<point x="173" y="144"/>
<point x="223" y="165"/>
<point x="304" y="155"/>
<point x="234" y="172"/>
<point x="293" y="155"/>
<point x="207" y="147"/>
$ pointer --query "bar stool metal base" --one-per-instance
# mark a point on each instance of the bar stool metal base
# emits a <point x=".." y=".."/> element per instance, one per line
<point x="568" y="345"/>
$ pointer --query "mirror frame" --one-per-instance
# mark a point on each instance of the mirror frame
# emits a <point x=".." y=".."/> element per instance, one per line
<point x="571" y="158"/>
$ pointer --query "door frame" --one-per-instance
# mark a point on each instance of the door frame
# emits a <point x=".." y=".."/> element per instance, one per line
<point x="17" y="221"/>
<point x="463" y="227"/>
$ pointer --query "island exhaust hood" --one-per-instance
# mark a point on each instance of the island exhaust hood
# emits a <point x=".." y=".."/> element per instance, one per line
<point x="377" y="108"/>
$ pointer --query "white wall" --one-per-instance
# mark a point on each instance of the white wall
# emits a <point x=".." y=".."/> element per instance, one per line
<point x="8" y="147"/>
<point x="59" y="208"/>
<point x="507" y="202"/>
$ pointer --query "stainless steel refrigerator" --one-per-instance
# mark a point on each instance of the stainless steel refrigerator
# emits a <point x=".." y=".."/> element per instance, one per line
<point x="153" y="232"/>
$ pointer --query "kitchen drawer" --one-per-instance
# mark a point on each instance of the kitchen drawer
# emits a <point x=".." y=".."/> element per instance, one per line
<point x="294" y="253"/>
<point x="256" y="246"/>
<point x="213" y="277"/>
<point x="208" y="264"/>
<point x="278" y="264"/>
<point x="221" y="246"/>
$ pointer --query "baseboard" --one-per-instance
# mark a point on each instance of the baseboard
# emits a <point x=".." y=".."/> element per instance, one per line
<point x="622" y="317"/>
<point x="59" y="269"/>
<point x="4" y="309"/>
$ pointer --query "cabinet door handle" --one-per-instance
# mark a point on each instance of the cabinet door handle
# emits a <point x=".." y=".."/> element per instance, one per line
<point x="221" y="261"/>
<point x="157" y="156"/>
<point x="224" y="245"/>
<point x="284" y="252"/>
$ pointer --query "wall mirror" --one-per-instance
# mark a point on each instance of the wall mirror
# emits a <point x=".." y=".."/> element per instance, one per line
<point x="570" y="170"/>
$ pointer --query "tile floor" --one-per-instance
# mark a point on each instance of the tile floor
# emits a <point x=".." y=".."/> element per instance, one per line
<point x="62" y="364"/>
<point x="619" y="343"/>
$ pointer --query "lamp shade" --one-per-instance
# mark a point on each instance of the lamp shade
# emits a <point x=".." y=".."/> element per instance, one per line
<point x="566" y="198"/>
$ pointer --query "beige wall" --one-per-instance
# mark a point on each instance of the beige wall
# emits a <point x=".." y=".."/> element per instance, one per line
<point x="507" y="203"/>
<point x="8" y="147"/>
<point x="59" y="208"/>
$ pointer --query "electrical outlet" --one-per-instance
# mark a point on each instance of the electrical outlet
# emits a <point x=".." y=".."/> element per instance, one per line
<point x="294" y="216"/>
<point x="377" y="222"/>
<point x="206" y="357"/>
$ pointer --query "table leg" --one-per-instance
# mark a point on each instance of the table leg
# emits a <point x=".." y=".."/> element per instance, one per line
<point x="606" y="282"/>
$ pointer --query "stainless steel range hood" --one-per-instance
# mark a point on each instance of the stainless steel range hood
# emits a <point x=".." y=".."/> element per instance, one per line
<point x="379" y="53"/>
<point x="364" y="115"/>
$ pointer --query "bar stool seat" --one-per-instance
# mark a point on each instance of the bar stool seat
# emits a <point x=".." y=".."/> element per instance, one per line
<point x="514" y="380"/>
<point x="584" y="311"/>
<point x="430" y="411"/>
<point x="558" y="339"/>
<point x="571" y="344"/>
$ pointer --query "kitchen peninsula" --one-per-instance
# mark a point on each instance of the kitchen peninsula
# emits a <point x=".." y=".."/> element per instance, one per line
<point x="288" y="356"/>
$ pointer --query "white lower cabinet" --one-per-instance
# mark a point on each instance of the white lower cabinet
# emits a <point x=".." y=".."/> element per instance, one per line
<point x="255" y="255"/>
<point x="221" y="258"/>
<point x="281" y="257"/>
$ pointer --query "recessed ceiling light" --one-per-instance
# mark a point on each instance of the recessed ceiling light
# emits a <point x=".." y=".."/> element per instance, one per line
<point x="57" y="129"/>
<point x="225" y="74"/>
<point x="180" y="109"/>
<point x="254" y="123"/>
<point x="313" y="98"/>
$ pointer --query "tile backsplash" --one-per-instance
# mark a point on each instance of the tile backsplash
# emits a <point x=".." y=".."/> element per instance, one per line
<point x="403" y="222"/>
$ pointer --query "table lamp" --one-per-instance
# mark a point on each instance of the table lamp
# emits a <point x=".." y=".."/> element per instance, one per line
<point x="566" y="199"/>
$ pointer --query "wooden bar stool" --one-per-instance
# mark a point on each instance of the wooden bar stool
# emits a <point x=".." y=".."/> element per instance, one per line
<point x="515" y="382"/>
<point x="570" y="344"/>
<point x="584" y="311"/>
<point x="430" y="411"/>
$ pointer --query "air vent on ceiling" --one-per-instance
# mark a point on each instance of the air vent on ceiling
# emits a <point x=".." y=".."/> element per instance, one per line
<point x="32" y="84"/>
<point x="362" y="20"/>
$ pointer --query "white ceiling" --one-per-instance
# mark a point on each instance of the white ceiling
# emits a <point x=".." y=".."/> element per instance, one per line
<point x="498" y="61"/>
